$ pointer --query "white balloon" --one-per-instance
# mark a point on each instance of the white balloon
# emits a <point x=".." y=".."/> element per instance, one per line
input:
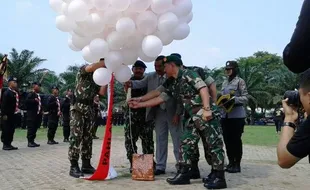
<point x="64" y="23"/>
<point x="115" y="40"/>
<point x="161" y="6"/>
<point x="93" y="24"/>
<point x="110" y="17"/>
<point x="147" y="22"/>
<point x="78" y="10"/>
<point x="56" y="5"/>
<point x="80" y="42"/>
<point x="134" y="41"/>
<point x="144" y="57"/>
<point x="99" y="47"/>
<point x="152" y="46"/>
<point x="102" y="76"/>
<point x="67" y="1"/>
<point x="123" y="74"/>
<point x="167" y="22"/>
<point x="182" y="7"/>
<point x="101" y="4"/>
<point x="89" y="4"/>
<point x="139" y="5"/>
<point x="88" y="56"/>
<point x="165" y="37"/>
<point x="130" y="56"/>
<point x="71" y="46"/>
<point x="181" y="32"/>
<point x="120" y="5"/>
<point x="64" y="9"/>
<point x="125" y="26"/>
<point x="187" y="19"/>
<point x="114" y="60"/>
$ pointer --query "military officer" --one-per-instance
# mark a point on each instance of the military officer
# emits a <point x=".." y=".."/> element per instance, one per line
<point x="187" y="87"/>
<point x="137" y="127"/>
<point x="34" y="114"/>
<point x="9" y="107"/>
<point x="233" y="122"/>
<point x="54" y="112"/>
<point x="81" y="119"/>
<point x="65" y="110"/>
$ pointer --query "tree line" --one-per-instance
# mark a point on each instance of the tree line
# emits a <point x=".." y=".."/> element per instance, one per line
<point x="266" y="77"/>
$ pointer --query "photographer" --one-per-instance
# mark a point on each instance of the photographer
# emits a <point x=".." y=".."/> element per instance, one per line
<point x="294" y="146"/>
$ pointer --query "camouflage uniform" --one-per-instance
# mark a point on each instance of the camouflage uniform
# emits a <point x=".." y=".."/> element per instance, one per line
<point x="189" y="95"/>
<point x="82" y="115"/>
<point x="139" y="128"/>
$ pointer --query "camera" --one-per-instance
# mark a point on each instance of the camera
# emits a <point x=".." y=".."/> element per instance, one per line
<point x="293" y="98"/>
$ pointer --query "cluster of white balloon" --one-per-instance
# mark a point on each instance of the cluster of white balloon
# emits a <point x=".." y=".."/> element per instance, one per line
<point x="121" y="31"/>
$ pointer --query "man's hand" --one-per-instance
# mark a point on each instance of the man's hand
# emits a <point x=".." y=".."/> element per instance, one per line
<point x="207" y="115"/>
<point x="175" y="119"/>
<point x="134" y="104"/>
<point x="291" y="114"/>
<point x="138" y="99"/>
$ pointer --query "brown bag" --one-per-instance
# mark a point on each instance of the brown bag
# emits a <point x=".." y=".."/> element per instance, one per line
<point x="143" y="167"/>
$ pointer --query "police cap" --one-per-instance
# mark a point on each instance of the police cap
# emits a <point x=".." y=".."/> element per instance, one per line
<point x="36" y="83"/>
<point x="231" y="64"/>
<point x="139" y="63"/>
<point x="12" y="79"/>
<point x="173" y="58"/>
<point x="54" y="87"/>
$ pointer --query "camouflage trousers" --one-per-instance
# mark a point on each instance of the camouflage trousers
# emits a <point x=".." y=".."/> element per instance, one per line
<point x="80" y="136"/>
<point x="139" y="129"/>
<point x="194" y="129"/>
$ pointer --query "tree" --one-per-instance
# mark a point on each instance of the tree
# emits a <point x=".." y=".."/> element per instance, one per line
<point x="24" y="65"/>
<point x="69" y="76"/>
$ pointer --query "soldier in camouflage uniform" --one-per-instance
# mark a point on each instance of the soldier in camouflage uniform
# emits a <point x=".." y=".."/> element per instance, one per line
<point x="212" y="91"/>
<point x="82" y="115"/>
<point x="138" y="126"/>
<point x="187" y="87"/>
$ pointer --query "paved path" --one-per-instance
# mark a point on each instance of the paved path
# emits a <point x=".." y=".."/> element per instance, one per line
<point x="46" y="168"/>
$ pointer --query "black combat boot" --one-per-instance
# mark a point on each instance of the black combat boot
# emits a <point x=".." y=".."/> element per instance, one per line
<point x="210" y="177"/>
<point x="87" y="168"/>
<point x="235" y="168"/>
<point x="230" y="165"/>
<point x="75" y="169"/>
<point x="182" y="178"/>
<point x="195" y="173"/>
<point x="219" y="181"/>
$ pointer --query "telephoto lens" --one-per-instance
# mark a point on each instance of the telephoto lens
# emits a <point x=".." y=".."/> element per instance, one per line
<point x="293" y="98"/>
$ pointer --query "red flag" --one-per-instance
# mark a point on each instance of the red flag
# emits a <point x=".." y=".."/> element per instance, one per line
<point x="104" y="163"/>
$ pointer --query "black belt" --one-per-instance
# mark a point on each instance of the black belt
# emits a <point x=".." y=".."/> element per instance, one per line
<point x="84" y="101"/>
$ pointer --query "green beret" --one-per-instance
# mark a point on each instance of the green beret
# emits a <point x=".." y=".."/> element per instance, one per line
<point x="173" y="58"/>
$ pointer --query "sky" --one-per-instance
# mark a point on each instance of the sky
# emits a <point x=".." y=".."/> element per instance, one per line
<point x="221" y="30"/>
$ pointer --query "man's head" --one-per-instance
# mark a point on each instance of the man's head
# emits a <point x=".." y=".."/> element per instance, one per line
<point x="138" y="69"/>
<point x="69" y="92"/>
<point x="159" y="67"/>
<point x="304" y="90"/>
<point x="172" y="64"/>
<point x="231" y="68"/>
<point x="12" y="83"/>
<point x="177" y="55"/>
<point x="36" y="87"/>
<point x="55" y="90"/>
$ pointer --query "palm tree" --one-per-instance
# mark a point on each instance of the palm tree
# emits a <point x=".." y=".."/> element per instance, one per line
<point x="68" y="77"/>
<point x="24" y="65"/>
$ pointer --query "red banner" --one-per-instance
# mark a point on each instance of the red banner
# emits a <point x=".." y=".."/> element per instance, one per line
<point x="104" y="163"/>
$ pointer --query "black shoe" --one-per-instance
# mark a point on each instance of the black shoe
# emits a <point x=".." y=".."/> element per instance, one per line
<point x="228" y="167"/>
<point x="159" y="172"/>
<point x="66" y="140"/>
<point x="195" y="173"/>
<point x="9" y="147"/>
<point x="33" y="144"/>
<point x="14" y="147"/>
<point x="87" y="168"/>
<point x="182" y="178"/>
<point x="75" y="169"/>
<point x="235" y="168"/>
<point x="52" y="142"/>
<point x="209" y="178"/>
<point x="219" y="181"/>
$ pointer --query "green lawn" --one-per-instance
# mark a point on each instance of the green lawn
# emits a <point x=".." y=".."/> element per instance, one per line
<point x="253" y="135"/>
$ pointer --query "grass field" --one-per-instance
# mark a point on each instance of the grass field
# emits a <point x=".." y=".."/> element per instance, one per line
<point x="253" y="135"/>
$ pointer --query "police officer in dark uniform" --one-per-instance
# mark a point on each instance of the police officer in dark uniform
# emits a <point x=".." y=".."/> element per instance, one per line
<point x="65" y="110"/>
<point x="34" y="114"/>
<point x="9" y="107"/>
<point x="53" y="106"/>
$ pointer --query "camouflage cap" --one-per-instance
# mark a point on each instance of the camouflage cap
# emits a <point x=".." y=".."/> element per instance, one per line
<point x="173" y="58"/>
<point x="231" y="64"/>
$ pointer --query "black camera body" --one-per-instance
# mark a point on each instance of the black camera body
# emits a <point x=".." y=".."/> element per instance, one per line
<point x="293" y="98"/>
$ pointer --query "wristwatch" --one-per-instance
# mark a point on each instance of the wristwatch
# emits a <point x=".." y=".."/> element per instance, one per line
<point x="290" y="124"/>
<point x="206" y="108"/>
